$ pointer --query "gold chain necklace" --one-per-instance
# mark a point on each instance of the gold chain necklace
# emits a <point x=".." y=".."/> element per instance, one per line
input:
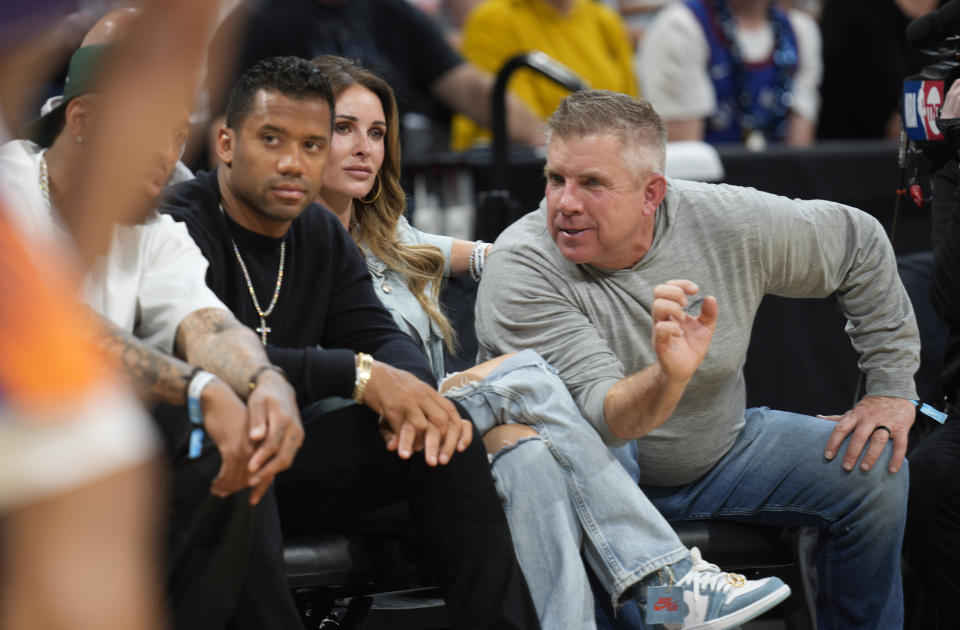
<point x="263" y="329"/>
<point x="45" y="180"/>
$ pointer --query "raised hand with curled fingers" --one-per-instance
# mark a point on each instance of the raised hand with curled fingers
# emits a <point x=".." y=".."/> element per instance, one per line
<point x="680" y="337"/>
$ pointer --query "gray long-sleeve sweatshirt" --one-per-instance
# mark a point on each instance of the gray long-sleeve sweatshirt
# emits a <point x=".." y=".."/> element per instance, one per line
<point x="737" y="244"/>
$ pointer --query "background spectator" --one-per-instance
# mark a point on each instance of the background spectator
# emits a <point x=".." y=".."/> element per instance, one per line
<point x="395" y="39"/>
<point x="733" y="71"/>
<point x="586" y="36"/>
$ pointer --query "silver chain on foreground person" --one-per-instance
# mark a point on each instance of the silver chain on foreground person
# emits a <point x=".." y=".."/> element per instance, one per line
<point x="263" y="329"/>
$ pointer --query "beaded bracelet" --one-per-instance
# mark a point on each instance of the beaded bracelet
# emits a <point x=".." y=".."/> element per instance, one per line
<point x="477" y="259"/>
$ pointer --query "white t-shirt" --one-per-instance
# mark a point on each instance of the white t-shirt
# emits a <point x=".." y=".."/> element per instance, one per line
<point x="673" y="63"/>
<point x="153" y="276"/>
<point x="54" y="441"/>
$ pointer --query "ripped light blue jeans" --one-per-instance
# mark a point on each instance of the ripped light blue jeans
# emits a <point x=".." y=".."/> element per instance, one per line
<point x="563" y="490"/>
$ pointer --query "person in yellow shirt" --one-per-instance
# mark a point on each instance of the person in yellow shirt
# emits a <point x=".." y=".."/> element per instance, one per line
<point x="586" y="36"/>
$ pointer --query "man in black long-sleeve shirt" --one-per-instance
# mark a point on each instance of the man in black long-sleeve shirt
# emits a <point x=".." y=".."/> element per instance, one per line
<point x="289" y="271"/>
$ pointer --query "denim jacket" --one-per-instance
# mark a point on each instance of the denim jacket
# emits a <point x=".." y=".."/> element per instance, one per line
<point x="392" y="289"/>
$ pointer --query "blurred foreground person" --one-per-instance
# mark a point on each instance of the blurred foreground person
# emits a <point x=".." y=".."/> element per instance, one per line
<point x="77" y="485"/>
<point x="180" y="345"/>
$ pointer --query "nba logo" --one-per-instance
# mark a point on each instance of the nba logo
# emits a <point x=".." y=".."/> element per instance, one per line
<point x="921" y="105"/>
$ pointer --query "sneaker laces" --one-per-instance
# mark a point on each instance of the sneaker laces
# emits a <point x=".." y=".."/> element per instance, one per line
<point x="706" y="575"/>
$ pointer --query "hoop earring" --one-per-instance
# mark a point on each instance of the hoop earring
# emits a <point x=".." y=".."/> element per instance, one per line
<point x="376" y="196"/>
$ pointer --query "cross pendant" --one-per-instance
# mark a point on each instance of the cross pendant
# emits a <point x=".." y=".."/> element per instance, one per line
<point x="263" y="329"/>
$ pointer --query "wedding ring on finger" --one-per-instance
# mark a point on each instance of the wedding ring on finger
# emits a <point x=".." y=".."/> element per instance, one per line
<point x="880" y="427"/>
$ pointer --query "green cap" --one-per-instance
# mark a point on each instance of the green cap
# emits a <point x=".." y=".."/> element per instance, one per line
<point x="86" y="69"/>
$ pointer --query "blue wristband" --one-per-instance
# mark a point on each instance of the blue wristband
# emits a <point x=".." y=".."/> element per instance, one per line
<point x="198" y="382"/>
<point x="196" y="443"/>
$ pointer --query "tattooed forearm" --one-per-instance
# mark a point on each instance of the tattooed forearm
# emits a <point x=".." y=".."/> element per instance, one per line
<point x="159" y="376"/>
<point x="209" y="338"/>
<point x="213" y="339"/>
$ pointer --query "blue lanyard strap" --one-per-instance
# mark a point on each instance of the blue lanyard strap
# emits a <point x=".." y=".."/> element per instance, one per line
<point x="931" y="412"/>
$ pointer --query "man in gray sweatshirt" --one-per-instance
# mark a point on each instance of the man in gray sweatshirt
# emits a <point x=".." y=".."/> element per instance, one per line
<point x="621" y="279"/>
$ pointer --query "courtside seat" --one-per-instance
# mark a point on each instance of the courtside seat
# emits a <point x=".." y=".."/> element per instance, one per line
<point x="739" y="547"/>
<point x="379" y="549"/>
<point x="332" y="560"/>
<point x="385" y="557"/>
<point x="337" y="576"/>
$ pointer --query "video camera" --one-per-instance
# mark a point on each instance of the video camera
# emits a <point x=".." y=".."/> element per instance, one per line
<point x="938" y="34"/>
<point x="932" y="140"/>
<point x="923" y="146"/>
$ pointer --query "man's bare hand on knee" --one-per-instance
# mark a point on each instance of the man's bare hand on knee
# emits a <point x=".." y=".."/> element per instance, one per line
<point x="874" y="420"/>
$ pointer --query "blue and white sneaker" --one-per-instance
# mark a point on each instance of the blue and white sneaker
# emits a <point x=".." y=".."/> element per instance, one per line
<point x="707" y="598"/>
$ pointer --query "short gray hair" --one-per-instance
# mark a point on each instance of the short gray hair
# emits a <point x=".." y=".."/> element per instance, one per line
<point x="633" y="120"/>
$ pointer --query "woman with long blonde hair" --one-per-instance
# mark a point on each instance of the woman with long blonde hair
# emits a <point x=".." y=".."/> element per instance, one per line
<point x="362" y="187"/>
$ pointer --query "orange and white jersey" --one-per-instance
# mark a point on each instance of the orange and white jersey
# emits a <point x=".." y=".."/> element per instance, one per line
<point x="66" y="416"/>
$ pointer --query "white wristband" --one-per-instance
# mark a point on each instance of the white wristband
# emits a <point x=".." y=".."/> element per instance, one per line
<point x="198" y="383"/>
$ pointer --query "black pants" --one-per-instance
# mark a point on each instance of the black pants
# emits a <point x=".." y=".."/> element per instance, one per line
<point x="932" y="539"/>
<point x="224" y="568"/>
<point x="344" y="470"/>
